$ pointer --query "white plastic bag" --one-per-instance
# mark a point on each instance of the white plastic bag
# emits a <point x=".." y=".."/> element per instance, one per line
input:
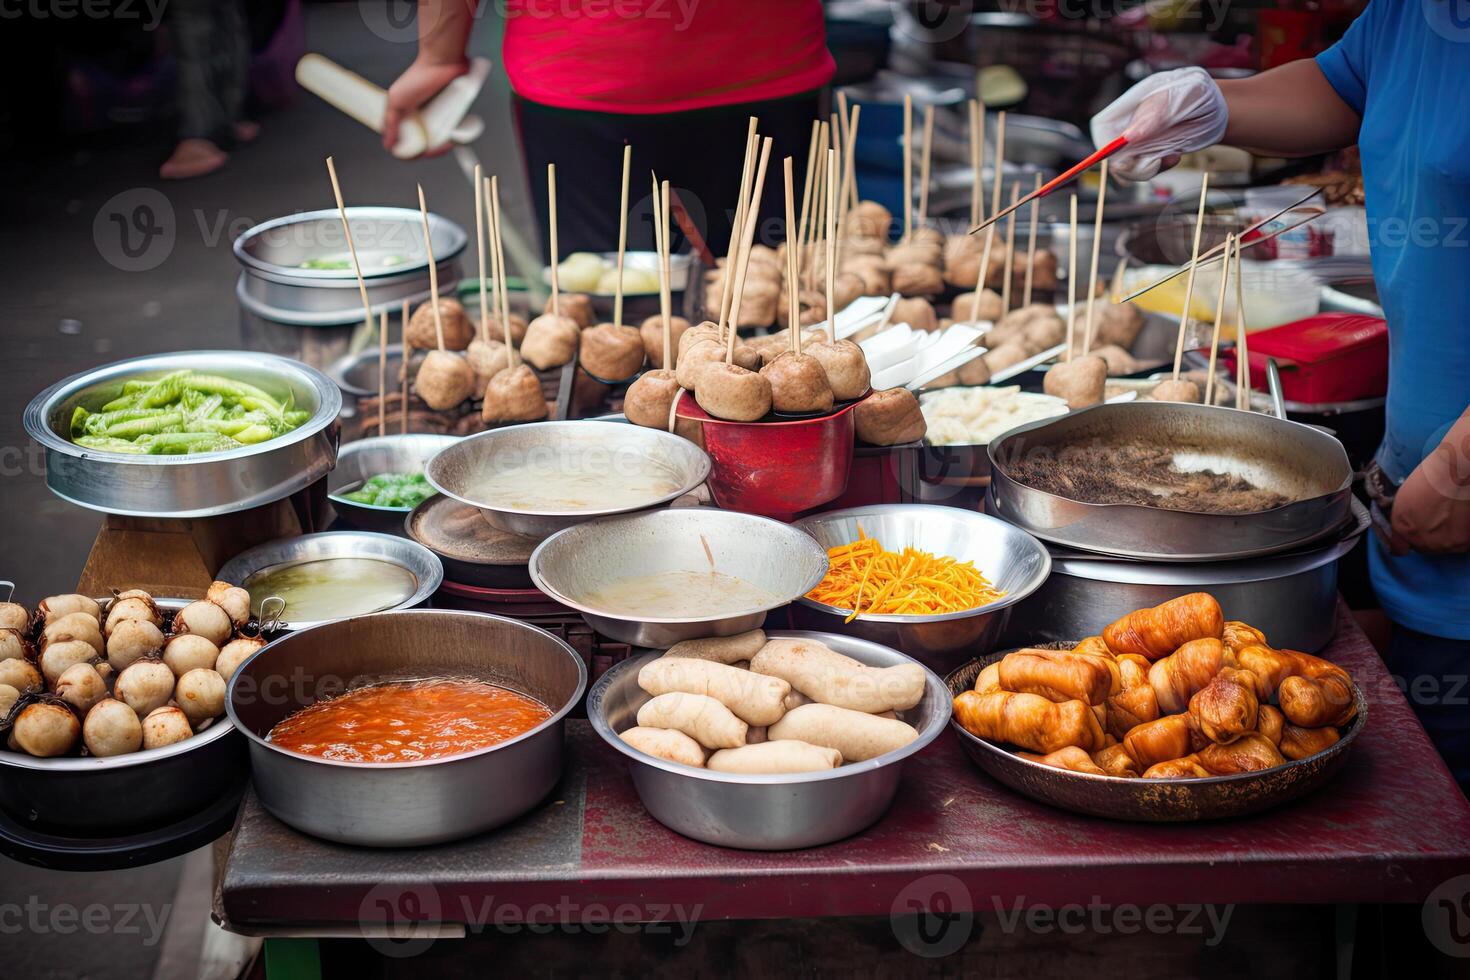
<point x="1166" y="114"/>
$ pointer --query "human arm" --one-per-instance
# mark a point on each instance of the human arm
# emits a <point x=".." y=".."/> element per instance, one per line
<point x="1431" y="512"/>
<point x="1289" y="111"/>
<point x="444" y="31"/>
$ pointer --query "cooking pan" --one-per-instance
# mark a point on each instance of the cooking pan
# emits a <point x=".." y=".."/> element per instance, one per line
<point x="1305" y="464"/>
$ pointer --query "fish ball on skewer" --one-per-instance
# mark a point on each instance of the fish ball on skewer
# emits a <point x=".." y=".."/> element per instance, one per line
<point x="551" y="341"/>
<point x="612" y="351"/>
<point x="458" y="330"/>
<point x="652" y="332"/>
<point x="846" y="367"/>
<point x="890" y="418"/>
<point x="734" y="393"/>
<point x="444" y="380"/>
<point x="798" y="384"/>
<point x="513" y="396"/>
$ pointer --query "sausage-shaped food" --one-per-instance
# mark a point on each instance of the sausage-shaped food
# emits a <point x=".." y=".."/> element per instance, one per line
<point x="1060" y="675"/>
<point x="1160" y="740"/>
<point x="1317" y="694"/>
<point x="722" y="649"/>
<point x="988" y="679"/>
<point x="1226" y="708"/>
<point x="1115" y="761"/>
<point x="756" y="698"/>
<point x="699" y="716"/>
<point x="1029" y="721"/>
<point x="856" y="734"/>
<point x="825" y="675"/>
<point x="776" y="756"/>
<point x="1238" y="635"/>
<point x="1178" y="676"/>
<point x="1185" y="767"/>
<point x="1070" y="758"/>
<point x="1270" y="722"/>
<point x="1136" y="703"/>
<point x="1159" y="631"/>
<point x="666" y="744"/>
<point x="1249" y="753"/>
<point x="1298" y="742"/>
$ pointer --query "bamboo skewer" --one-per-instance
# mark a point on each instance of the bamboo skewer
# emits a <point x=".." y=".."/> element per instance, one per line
<point x="819" y="204"/>
<point x="383" y="374"/>
<point x="367" y="307"/>
<point x="661" y="248"/>
<point x="551" y="237"/>
<point x="924" y="165"/>
<point x="1031" y="251"/>
<point x="1115" y="287"/>
<point x="1072" y="279"/>
<point x="1242" y="347"/>
<point x="977" y="161"/>
<point x="1219" y="316"/>
<point x="495" y="237"/>
<point x="1005" y="286"/>
<point x="1097" y="227"/>
<point x="403" y="396"/>
<point x="433" y="270"/>
<point x="622" y="234"/>
<point x="752" y="216"/>
<point x="849" y="137"/>
<point x="793" y="304"/>
<point x="484" y="330"/>
<point x="1199" y="224"/>
<point x="831" y="240"/>
<point x="908" y="166"/>
<point x="1000" y="156"/>
<point x="849" y="174"/>
<point x="727" y="284"/>
<point x="806" y="198"/>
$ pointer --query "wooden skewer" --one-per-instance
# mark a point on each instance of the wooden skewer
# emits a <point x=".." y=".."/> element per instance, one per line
<point x="622" y="235"/>
<point x="383" y="374"/>
<point x="661" y="245"/>
<point x="727" y="281"/>
<point x="480" y="249"/>
<point x="977" y="162"/>
<point x="1115" y="287"/>
<point x="1219" y="316"/>
<point x="367" y="307"/>
<point x="1199" y="224"/>
<point x="1000" y="162"/>
<point x="849" y="174"/>
<point x="752" y="217"/>
<point x="551" y="235"/>
<point x="496" y="239"/>
<point x="819" y="204"/>
<point x="806" y="196"/>
<point x="1072" y="278"/>
<point x="908" y="166"/>
<point x="1097" y="227"/>
<point x="1242" y="347"/>
<point x="407" y="351"/>
<point x="793" y="305"/>
<point x="831" y="239"/>
<point x="433" y="269"/>
<point x="1031" y="250"/>
<point x="1005" y="286"/>
<point x="849" y="138"/>
<point x="924" y="164"/>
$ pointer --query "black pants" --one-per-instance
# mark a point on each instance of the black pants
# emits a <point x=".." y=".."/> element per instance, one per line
<point x="700" y="153"/>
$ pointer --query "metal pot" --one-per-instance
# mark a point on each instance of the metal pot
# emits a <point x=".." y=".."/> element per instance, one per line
<point x="91" y="797"/>
<point x="199" y="485"/>
<point x="364" y="458"/>
<point x="408" y="804"/>
<point x="765" y="812"/>
<point x="1292" y="598"/>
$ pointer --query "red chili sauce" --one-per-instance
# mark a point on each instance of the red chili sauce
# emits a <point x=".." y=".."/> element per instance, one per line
<point x="408" y="721"/>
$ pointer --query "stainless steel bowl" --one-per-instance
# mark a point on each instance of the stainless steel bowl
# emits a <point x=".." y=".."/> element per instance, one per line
<point x="1152" y="800"/>
<point x="1013" y="561"/>
<point x="423" y="563"/>
<point x="765" y="812"/>
<point x="93" y="797"/>
<point x="356" y="461"/>
<point x="408" y="804"/>
<point x="609" y="448"/>
<point x="273" y="285"/>
<point x="199" y="485"/>
<point x="572" y="564"/>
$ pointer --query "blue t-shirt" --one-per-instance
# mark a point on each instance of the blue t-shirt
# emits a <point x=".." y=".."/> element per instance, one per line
<point x="1404" y="66"/>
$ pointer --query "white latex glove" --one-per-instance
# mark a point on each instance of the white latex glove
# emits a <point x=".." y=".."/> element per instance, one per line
<point x="1163" y="116"/>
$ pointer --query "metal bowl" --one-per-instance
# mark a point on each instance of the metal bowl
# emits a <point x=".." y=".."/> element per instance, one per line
<point x="765" y="812"/>
<point x="198" y="485"/>
<point x="357" y="374"/>
<point x="356" y="461"/>
<point x="408" y="804"/>
<point x="422" y="562"/>
<point x="94" y="797"/>
<point x="1013" y="561"/>
<point x="1151" y="800"/>
<point x="584" y="445"/>
<point x="770" y="555"/>
<point x="273" y="285"/>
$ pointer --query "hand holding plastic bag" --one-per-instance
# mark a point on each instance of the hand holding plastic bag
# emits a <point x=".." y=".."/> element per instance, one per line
<point x="1163" y="116"/>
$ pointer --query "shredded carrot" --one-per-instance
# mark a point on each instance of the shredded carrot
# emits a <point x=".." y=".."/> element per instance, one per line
<point x="907" y="583"/>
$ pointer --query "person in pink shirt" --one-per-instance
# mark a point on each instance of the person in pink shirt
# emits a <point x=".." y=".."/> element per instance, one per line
<point x="676" y="79"/>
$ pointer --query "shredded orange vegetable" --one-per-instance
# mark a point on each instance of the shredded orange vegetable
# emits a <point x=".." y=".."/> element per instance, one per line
<point x="865" y="578"/>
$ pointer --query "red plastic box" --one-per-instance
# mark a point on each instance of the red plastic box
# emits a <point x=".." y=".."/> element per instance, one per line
<point x="1331" y="357"/>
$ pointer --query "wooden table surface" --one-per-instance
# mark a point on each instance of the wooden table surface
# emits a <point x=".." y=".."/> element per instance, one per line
<point x="1389" y="828"/>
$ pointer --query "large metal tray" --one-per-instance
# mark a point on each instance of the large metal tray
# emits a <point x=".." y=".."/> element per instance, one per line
<point x="1299" y="460"/>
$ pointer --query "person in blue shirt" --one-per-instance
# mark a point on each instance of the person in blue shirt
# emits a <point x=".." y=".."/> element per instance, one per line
<point x="1397" y="85"/>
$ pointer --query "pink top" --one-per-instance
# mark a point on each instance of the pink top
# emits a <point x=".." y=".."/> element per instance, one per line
<point x="655" y="56"/>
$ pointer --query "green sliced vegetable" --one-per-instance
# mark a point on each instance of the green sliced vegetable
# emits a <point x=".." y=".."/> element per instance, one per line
<point x="405" y="490"/>
<point x="104" y="444"/>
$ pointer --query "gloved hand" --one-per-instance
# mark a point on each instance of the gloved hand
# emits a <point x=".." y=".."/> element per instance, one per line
<point x="1163" y="116"/>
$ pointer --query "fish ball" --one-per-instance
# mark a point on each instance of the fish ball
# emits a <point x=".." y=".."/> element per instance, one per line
<point x="81" y="687"/>
<point x="54" y="607"/>
<point x="112" y="728"/>
<point x="731" y="392"/>
<point x="551" y="341"/>
<point x="8" y="697"/>
<point x="232" y="599"/>
<point x="917" y="312"/>
<point x="201" y="695"/>
<point x="1181" y="390"/>
<point x="13" y="645"/>
<point x="890" y="418"/>
<point x="798" y="384"/>
<point x="165" y="726"/>
<point x="612" y="351"/>
<point x="444" y="380"/>
<point x="486" y="358"/>
<point x="138" y="608"/>
<point x="145" y="685"/>
<point x="21" y="675"/>
<point x="918" y="279"/>
<point x="650" y="398"/>
<point x="577" y="306"/>
<point x="14" y="616"/>
<point x="188" y="651"/>
<point x="132" y="640"/>
<point x="513" y="396"/>
<point x="458" y="330"/>
<point x="206" y="619"/>
<point x="46" y="730"/>
<point x="846" y="367"/>
<point x="55" y="658"/>
<point x="972" y="307"/>
<point x="235" y="653"/>
<point x="652" y="332"/>
<point x="1080" y="381"/>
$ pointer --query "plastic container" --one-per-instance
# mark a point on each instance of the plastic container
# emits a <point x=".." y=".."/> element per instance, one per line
<point x="1331" y="357"/>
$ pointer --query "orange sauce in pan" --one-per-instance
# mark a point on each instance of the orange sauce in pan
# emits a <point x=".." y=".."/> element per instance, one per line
<point x="407" y="721"/>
